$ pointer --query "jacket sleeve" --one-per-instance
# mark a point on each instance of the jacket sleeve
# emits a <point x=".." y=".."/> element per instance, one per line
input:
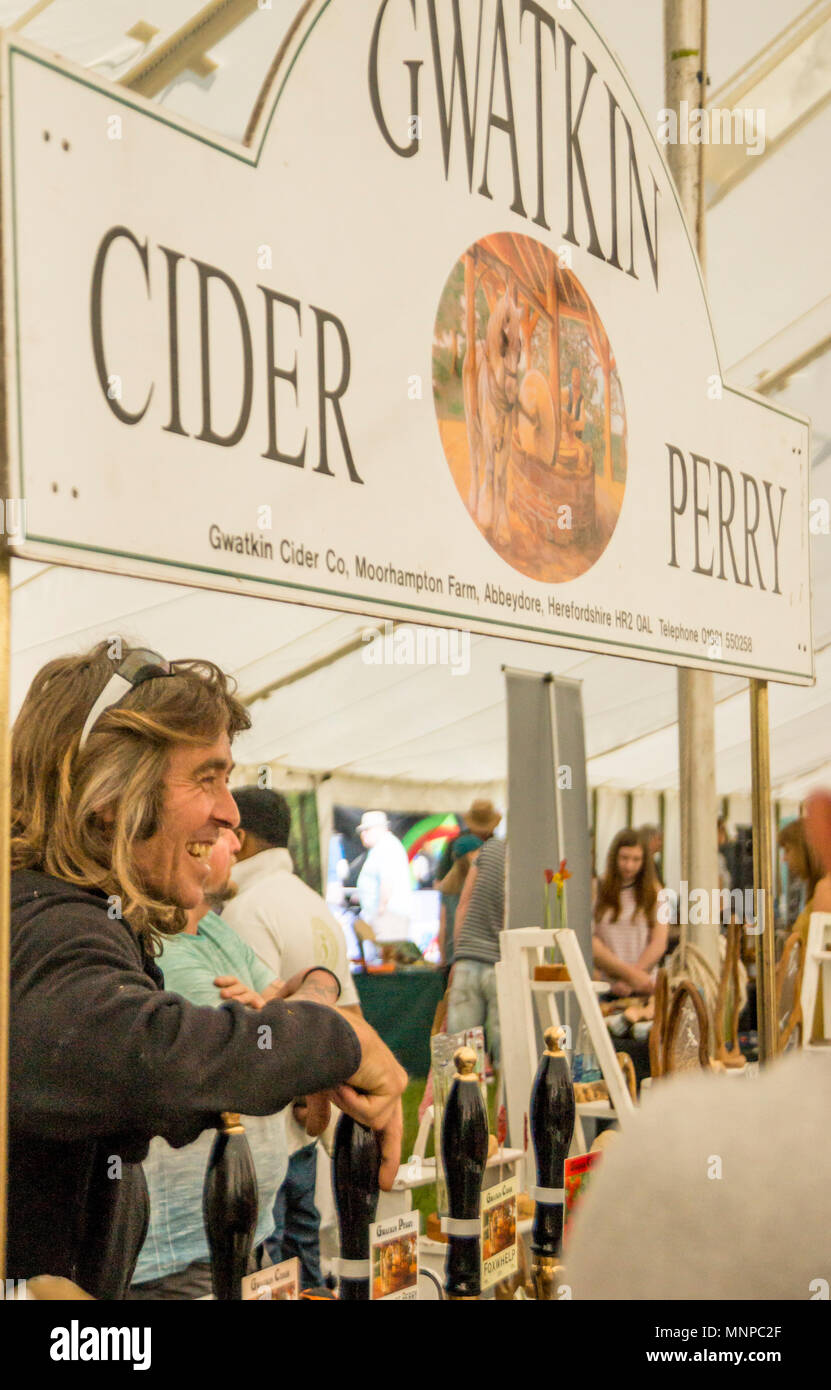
<point x="96" y="1048"/>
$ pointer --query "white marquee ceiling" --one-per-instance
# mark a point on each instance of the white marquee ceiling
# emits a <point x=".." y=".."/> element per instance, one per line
<point x="419" y="724"/>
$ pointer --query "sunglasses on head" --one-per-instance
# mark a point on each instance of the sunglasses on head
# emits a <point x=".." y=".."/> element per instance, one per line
<point x="141" y="665"/>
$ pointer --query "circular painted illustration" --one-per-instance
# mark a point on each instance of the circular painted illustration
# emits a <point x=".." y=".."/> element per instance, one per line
<point x="530" y="407"/>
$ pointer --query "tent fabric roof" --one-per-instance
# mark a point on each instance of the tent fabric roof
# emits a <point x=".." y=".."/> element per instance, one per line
<point x="404" y="722"/>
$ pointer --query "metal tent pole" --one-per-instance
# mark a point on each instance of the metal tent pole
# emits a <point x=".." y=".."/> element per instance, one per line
<point x="685" y="38"/>
<point x="685" y="32"/>
<point x="763" y="871"/>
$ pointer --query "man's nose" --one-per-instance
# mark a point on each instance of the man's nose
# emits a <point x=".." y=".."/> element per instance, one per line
<point x="226" y="812"/>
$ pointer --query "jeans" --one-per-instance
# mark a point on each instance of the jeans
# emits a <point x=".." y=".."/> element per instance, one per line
<point x="472" y="1002"/>
<point x="297" y="1219"/>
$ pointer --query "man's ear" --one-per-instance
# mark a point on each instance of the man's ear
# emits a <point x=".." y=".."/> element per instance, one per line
<point x="240" y="834"/>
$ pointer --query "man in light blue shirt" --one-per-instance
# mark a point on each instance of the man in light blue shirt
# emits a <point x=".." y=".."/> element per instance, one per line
<point x="206" y="964"/>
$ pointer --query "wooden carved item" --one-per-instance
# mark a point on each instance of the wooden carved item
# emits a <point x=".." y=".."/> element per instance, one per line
<point x="686" y="1047"/>
<point x="658" y="1030"/>
<point x="464" y="1151"/>
<point x="727" y="1002"/>
<point x="627" y="1066"/>
<point x="356" y="1158"/>
<point x="229" y="1205"/>
<point x="789" y="991"/>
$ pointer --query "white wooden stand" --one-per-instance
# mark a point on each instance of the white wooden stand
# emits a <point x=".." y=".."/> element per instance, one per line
<point x="817" y="967"/>
<point x="524" y="1000"/>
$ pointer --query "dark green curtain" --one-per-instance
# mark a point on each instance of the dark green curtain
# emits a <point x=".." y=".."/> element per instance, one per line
<point x="304" y="841"/>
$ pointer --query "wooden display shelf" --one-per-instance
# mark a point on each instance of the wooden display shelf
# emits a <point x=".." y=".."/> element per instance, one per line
<point x="560" y="986"/>
<point x="404" y="1182"/>
<point x="595" y="1108"/>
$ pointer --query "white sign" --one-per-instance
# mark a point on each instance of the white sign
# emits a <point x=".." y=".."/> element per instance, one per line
<point x="436" y="346"/>
<point x="275" y="1283"/>
<point x="393" y="1254"/>
<point x="499" y="1233"/>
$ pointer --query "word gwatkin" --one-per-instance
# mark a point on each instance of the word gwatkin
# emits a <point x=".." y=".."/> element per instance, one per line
<point x="483" y="64"/>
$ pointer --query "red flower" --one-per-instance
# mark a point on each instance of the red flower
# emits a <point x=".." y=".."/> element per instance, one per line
<point x="563" y="871"/>
<point x="549" y="875"/>
<point x="502" y="1126"/>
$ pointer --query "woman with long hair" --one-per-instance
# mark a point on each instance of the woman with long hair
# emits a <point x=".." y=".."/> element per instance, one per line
<point x="629" y="931"/>
<point x="800" y="861"/>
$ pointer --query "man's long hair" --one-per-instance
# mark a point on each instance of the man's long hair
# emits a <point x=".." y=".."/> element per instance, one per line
<point x="645" y="885"/>
<point x="58" y="794"/>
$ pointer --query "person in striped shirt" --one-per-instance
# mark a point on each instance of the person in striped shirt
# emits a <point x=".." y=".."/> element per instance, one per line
<point x="480" y="917"/>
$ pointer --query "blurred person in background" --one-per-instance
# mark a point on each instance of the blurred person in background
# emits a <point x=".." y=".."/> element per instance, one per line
<point x="463" y="850"/>
<point x="805" y="864"/>
<point x="629" y="934"/>
<point x="479" y="821"/>
<point x="384" y="884"/>
<point x="291" y="929"/>
<point x="680" y="1235"/>
<point x="480" y="917"/>
<point x="652" y="839"/>
<point x="206" y="963"/>
<point x="725" y="878"/>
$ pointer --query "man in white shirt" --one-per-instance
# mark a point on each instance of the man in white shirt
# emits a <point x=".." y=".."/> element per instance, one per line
<point x="384" y="884"/>
<point x="290" y="928"/>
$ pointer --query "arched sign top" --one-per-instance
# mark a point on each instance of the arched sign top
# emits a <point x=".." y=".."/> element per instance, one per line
<point x="441" y="314"/>
<point x="449" y="72"/>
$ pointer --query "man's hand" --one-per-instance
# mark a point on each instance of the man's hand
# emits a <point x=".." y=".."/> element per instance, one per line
<point x="316" y="986"/>
<point x="232" y="988"/>
<point x="373" y="1096"/>
<point x="312" y="1113"/>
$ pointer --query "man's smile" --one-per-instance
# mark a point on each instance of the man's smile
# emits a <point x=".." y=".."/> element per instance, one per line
<point x="199" y="849"/>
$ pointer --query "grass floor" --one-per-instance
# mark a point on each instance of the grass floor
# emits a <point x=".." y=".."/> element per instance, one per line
<point x="424" y="1198"/>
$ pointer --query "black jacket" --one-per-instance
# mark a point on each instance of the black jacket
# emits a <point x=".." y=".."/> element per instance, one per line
<point x="102" y="1058"/>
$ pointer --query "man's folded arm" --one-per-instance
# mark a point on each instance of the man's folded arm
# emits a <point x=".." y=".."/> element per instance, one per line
<point x="97" y="1049"/>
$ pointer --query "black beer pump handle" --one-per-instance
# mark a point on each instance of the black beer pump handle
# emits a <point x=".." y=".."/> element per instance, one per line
<point x="552" y="1128"/>
<point x="464" y="1151"/>
<point x="356" y="1158"/>
<point x="229" y="1206"/>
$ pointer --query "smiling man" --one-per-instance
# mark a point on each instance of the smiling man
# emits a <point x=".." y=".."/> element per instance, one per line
<point x="120" y="768"/>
